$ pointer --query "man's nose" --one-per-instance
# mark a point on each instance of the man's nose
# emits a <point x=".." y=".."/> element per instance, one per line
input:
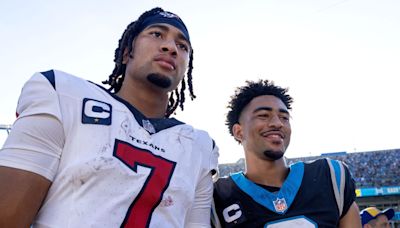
<point x="275" y="121"/>
<point x="170" y="47"/>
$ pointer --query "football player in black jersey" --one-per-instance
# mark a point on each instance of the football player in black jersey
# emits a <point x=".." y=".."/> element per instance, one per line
<point x="270" y="193"/>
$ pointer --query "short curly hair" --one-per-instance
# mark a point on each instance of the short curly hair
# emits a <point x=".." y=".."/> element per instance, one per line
<point x="245" y="94"/>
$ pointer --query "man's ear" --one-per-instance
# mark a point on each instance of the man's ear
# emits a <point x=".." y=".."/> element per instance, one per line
<point x="125" y="56"/>
<point x="237" y="132"/>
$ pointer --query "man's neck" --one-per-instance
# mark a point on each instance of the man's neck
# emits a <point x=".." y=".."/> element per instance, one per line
<point x="150" y="103"/>
<point x="264" y="172"/>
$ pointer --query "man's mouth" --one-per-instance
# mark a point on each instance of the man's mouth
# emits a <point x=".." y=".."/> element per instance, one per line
<point x="165" y="62"/>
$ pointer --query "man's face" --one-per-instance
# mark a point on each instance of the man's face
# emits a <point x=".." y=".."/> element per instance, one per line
<point x="160" y="55"/>
<point x="381" y="222"/>
<point x="264" y="127"/>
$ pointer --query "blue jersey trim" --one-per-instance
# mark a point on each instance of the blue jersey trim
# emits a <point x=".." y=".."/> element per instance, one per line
<point x="336" y="167"/>
<point x="262" y="196"/>
<point x="50" y="77"/>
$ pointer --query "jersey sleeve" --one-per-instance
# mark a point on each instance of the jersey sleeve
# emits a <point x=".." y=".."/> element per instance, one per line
<point x="349" y="190"/>
<point x="37" y="137"/>
<point x="39" y="96"/>
<point x="207" y="146"/>
<point x="213" y="165"/>
<point x="343" y="185"/>
<point x="199" y="215"/>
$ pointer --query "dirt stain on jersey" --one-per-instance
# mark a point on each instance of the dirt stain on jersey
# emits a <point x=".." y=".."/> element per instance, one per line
<point x="166" y="202"/>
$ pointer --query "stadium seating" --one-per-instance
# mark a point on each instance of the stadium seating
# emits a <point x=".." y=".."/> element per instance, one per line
<point x="369" y="169"/>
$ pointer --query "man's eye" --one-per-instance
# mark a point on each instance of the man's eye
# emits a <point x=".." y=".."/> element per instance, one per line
<point x="183" y="47"/>
<point x="264" y="115"/>
<point x="285" y="118"/>
<point x="156" y="34"/>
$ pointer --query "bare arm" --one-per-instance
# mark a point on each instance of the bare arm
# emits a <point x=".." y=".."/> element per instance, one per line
<point x="21" y="194"/>
<point x="352" y="217"/>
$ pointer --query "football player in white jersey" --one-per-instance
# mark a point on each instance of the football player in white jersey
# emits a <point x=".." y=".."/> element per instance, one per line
<point x="80" y="155"/>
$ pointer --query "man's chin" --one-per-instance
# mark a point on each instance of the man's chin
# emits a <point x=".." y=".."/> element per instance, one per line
<point x="273" y="155"/>
<point x="159" y="80"/>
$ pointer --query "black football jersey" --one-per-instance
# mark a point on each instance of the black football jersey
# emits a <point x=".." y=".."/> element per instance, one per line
<point x="306" y="198"/>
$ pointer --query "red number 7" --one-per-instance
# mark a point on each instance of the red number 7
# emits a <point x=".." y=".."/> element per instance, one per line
<point x="139" y="212"/>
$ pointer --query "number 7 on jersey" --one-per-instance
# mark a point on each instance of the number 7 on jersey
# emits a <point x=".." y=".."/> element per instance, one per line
<point x="151" y="193"/>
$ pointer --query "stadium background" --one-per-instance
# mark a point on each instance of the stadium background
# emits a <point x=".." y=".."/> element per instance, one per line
<point x="376" y="173"/>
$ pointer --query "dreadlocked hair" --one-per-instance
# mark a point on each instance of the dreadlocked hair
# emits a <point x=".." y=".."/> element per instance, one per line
<point x="116" y="78"/>
<point x="245" y="94"/>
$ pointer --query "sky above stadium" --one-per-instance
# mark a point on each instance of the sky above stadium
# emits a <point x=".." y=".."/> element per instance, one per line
<point x="339" y="58"/>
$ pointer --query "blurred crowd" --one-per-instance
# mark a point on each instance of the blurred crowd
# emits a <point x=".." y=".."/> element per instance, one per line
<point x="369" y="169"/>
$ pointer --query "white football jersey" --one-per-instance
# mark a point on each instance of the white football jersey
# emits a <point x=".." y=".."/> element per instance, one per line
<point x="117" y="167"/>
